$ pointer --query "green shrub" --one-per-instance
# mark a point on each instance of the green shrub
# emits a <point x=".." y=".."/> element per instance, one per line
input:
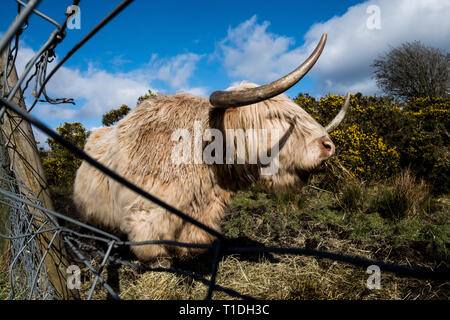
<point x="403" y="197"/>
<point x="413" y="135"/>
<point x="428" y="150"/>
<point x="115" y="115"/>
<point x="60" y="165"/>
<point x="437" y="240"/>
<point x="352" y="195"/>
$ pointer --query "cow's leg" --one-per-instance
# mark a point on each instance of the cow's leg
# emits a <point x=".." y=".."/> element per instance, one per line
<point x="192" y="234"/>
<point x="152" y="224"/>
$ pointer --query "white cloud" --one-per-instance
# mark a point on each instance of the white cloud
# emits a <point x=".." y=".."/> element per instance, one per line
<point x="100" y="91"/>
<point x="249" y="51"/>
<point x="352" y="47"/>
<point x="119" y="60"/>
<point x="176" y="70"/>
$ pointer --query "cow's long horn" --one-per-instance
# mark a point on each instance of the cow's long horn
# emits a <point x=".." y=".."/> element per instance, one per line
<point x="228" y="99"/>
<point x="340" y="116"/>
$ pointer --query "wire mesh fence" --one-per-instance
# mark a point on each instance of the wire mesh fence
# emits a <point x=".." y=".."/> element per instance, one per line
<point x="29" y="218"/>
<point x="27" y="273"/>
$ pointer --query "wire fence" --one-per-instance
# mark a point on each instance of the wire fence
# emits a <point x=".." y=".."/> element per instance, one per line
<point x="28" y="218"/>
<point x="27" y="273"/>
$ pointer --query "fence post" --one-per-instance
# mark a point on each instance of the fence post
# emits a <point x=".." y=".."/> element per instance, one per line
<point x="27" y="164"/>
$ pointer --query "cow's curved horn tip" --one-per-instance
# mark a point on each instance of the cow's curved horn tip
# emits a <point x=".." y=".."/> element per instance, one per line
<point x="324" y="36"/>
<point x="346" y="102"/>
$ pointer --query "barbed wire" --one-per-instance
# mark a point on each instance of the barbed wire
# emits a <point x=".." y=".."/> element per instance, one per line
<point x="27" y="271"/>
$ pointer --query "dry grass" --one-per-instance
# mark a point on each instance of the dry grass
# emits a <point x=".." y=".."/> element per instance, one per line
<point x="402" y="197"/>
<point x="290" y="278"/>
<point x="4" y="280"/>
<point x="287" y="277"/>
<point x="351" y="197"/>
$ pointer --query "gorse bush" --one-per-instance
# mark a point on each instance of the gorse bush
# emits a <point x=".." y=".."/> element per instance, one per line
<point x="113" y="116"/>
<point x="378" y="137"/>
<point x="60" y="165"/>
<point x="428" y="150"/>
<point x="149" y="94"/>
<point x="364" y="153"/>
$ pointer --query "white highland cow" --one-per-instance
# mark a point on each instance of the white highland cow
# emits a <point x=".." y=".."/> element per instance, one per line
<point x="141" y="146"/>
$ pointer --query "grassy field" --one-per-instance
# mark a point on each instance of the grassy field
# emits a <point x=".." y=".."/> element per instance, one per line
<point x="395" y="221"/>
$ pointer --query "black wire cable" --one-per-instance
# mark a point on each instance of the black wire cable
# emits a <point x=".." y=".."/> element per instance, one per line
<point x="85" y="39"/>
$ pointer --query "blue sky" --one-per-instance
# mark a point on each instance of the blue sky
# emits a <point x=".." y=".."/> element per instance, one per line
<point x="202" y="46"/>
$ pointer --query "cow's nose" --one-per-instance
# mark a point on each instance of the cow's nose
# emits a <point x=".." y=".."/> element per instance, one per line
<point x="328" y="147"/>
